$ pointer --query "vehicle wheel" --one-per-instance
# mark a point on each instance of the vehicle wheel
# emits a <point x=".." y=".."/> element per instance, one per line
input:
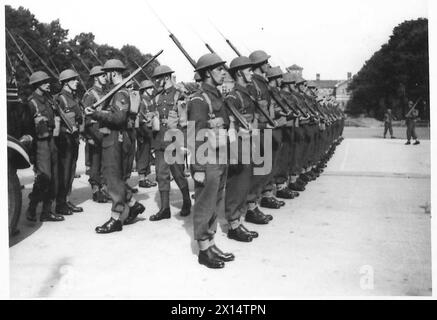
<point x="14" y="200"/>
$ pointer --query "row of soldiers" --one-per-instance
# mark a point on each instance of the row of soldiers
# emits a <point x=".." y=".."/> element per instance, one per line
<point x="305" y="131"/>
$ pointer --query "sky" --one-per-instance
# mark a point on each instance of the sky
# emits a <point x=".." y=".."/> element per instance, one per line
<point x="327" y="37"/>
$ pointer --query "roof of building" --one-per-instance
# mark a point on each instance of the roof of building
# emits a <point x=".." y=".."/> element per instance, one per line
<point x="342" y="83"/>
<point x="324" y="84"/>
<point x="294" y="67"/>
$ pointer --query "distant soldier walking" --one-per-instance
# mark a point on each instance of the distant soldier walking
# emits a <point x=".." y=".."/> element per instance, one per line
<point x="388" y="119"/>
<point x="411" y="117"/>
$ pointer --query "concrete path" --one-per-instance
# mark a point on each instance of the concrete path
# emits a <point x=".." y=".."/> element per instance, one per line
<point x="361" y="229"/>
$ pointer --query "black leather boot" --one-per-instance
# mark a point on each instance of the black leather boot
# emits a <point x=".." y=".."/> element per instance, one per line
<point x="220" y="255"/>
<point x="134" y="211"/>
<point x="73" y="207"/>
<point x="164" y="213"/>
<point x="239" y="234"/>
<point x="254" y="216"/>
<point x="269" y="202"/>
<point x="254" y="234"/>
<point x="209" y="259"/>
<point x="109" y="226"/>
<point x="295" y="186"/>
<point x="50" y="216"/>
<point x="285" y="193"/>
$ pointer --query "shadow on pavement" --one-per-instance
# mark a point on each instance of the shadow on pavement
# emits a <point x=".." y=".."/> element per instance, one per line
<point x="27" y="228"/>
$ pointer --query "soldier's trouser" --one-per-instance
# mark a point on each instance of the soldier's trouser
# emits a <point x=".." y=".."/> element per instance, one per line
<point x="260" y="183"/>
<point x="306" y="146"/>
<point x="68" y="149"/>
<point x="237" y="189"/>
<point x="163" y="170"/>
<point x="129" y="137"/>
<point x="283" y="158"/>
<point x="95" y="154"/>
<point x="388" y="127"/>
<point x="299" y="148"/>
<point x="88" y="160"/>
<point x="112" y="169"/>
<point x="46" y="173"/>
<point x="209" y="201"/>
<point x="411" y="130"/>
<point x="143" y="155"/>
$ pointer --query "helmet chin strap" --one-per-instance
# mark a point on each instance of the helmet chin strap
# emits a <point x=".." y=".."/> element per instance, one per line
<point x="68" y="85"/>
<point x="216" y="83"/>
<point x="241" y="73"/>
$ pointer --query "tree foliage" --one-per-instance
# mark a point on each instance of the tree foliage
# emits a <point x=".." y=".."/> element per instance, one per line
<point x="395" y="74"/>
<point x="50" y="41"/>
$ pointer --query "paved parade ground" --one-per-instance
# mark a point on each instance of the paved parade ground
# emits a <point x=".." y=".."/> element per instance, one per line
<point x="363" y="228"/>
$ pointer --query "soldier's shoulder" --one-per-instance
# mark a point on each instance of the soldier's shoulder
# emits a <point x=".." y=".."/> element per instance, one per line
<point x="197" y="97"/>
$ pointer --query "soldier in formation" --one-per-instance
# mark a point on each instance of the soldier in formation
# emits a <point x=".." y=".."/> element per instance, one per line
<point x="304" y="127"/>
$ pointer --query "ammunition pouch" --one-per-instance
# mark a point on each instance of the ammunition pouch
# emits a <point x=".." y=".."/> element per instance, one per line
<point x="155" y="122"/>
<point x="41" y="127"/>
<point x="172" y="120"/>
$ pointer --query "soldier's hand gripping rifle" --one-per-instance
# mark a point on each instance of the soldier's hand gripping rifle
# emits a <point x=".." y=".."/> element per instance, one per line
<point x="412" y="108"/>
<point x="123" y="83"/>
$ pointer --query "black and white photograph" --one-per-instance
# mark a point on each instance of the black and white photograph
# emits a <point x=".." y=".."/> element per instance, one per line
<point x="216" y="150"/>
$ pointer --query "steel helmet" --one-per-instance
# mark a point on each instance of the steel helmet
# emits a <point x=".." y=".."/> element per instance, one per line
<point x="209" y="61"/>
<point x="300" y="80"/>
<point x="145" y="84"/>
<point x="240" y="63"/>
<point x="161" y="71"/>
<point x="114" y="64"/>
<point x="96" y="71"/>
<point x="38" y="76"/>
<point x="258" y="57"/>
<point x="288" y="77"/>
<point x="274" y="72"/>
<point x="67" y="75"/>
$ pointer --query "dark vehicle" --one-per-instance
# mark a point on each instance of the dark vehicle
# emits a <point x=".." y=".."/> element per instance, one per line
<point x="20" y="132"/>
<point x="18" y="158"/>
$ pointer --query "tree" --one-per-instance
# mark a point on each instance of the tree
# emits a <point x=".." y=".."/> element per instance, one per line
<point x="50" y="41"/>
<point x="396" y="73"/>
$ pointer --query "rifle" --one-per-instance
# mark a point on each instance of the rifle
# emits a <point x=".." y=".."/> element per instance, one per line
<point x="227" y="40"/>
<point x="39" y="58"/>
<point x="157" y="91"/>
<point x="126" y="80"/>
<point x="54" y="65"/>
<point x="257" y="105"/>
<point x="21" y="54"/>
<point x="412" y="108"/>
<point x="62" y="115"/>
<point x="231" y="108"/>
<point x="13" y="70"/>
<point x="95" y="56"/>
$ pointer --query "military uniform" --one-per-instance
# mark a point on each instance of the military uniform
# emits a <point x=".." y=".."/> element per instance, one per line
<point x="94" y="140"/>
<point x="209" y="195"/>
<point x="45" y="187"/>
<point x="68" y="148"/>
<point x="165" y="108"/>
<point x="411" y="126"/>
<point x="240" y="174"/>
<point x="262" y="185"/>
<point x="144" y="143"/>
